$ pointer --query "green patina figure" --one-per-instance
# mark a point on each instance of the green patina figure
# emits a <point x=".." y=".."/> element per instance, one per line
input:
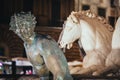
<point x="42" y="50"/>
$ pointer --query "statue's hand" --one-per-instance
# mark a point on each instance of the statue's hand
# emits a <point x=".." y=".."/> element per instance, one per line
<point x="59" y="78"/>
<point x="41" y="70"/>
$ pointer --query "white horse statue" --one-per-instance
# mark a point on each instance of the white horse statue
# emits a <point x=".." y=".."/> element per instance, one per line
<point x="94" y="35"/>
<point x="113" y="59"/>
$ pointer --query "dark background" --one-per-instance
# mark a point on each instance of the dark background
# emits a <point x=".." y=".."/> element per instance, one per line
<point x="47" y="12"/>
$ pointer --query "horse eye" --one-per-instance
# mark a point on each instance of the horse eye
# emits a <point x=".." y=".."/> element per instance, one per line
<point x="68" y="28"/>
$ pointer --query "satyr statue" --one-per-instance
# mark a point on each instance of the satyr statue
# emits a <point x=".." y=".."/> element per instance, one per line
<point x="42" y="50"/>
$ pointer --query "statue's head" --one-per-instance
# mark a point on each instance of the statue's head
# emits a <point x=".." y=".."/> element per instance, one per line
<point x="23" y="24"/>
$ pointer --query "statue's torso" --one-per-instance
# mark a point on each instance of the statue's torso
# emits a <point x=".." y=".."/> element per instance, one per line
<point x="33" y="53"/>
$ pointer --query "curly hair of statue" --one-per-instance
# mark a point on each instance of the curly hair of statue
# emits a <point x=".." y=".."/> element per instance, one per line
<point x="17" y="20"/>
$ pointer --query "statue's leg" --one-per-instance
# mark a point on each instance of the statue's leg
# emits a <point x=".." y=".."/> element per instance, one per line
<point x="111" y="63"/>
<point x="55" y="67"/>
<point x="102" y="71"/>
<point x="105" y="71"/>
<point x="74" y="70"/>
<point x="88" y="71"/>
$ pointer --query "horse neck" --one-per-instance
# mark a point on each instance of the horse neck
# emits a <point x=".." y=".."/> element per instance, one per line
<point x="87" y="35"/>
<point x="92" y="31"/>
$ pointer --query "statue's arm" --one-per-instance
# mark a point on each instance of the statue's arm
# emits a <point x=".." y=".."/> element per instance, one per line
<point x="37" y="62"/>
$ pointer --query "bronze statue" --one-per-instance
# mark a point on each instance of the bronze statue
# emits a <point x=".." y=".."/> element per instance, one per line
<point x="42" y="50"/>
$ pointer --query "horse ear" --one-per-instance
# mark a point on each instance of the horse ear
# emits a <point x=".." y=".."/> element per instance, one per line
<point x="75" y="17"/>
<point x="73" y="12"/>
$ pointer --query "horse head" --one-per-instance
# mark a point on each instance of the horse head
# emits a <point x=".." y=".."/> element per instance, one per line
<point x="70" y="32"/>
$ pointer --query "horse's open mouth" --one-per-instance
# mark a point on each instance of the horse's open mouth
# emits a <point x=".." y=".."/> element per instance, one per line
<point x="62" y="45"/>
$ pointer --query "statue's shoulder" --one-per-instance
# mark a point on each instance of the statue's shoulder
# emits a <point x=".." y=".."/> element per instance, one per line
<point x="43" y="37"/>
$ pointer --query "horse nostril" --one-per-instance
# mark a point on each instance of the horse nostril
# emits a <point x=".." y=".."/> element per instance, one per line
<point x="60" y="44"/>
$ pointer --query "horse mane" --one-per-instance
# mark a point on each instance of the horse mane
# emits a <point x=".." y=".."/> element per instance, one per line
<point x="91" y="18"/>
